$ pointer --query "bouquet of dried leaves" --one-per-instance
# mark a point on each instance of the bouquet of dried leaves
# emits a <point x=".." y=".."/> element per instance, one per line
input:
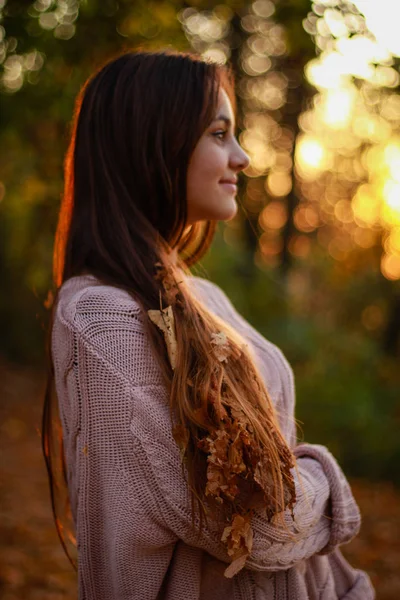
<point x="239" y="478"/>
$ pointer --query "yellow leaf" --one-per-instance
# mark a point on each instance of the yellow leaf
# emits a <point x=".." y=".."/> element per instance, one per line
<point x="236" y="566"/>
<point x="164" y="319"/>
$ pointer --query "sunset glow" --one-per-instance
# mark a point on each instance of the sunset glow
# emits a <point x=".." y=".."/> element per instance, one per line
<point x="347" y="153"/>
<point x="382" y="19"/>
<point x="346" y="116"/>
<point x="310" y="155"/>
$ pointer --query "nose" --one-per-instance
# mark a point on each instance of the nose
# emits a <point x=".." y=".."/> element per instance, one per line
<point x="239" y="158"/>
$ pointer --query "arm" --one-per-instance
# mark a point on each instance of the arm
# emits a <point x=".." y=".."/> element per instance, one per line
<point x="275" y="547"/>
<point x="128" y="467"/>
<point x="342" y="512"/>
<point x="123" y="551"/>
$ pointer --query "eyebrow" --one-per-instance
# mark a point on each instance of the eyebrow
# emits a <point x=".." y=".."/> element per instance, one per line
<point x="223" y="118"/>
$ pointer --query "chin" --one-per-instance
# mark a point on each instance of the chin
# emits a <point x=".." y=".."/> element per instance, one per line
<point x="229" y="213"/>
<point x="217" y="211"/>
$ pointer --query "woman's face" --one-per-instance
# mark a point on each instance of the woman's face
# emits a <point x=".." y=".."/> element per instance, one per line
<point x="213" y="168"/>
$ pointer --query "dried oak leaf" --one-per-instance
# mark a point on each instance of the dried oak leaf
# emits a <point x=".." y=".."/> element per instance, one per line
<point x="235" y="456"/>
<point x="221" y="479"/>
<point x="237" y="413"/>
<point x="170" y="285"/>
<point x="181" y="436"/>
<point x="221" y="346"/>
<point x="216" y="483"/>
<point x="238" y="537"/>
<point x="236" y="566"/>
<point x="220" y="446"/>
<point x="219" y="409"/>
<point x="164" y="319"/>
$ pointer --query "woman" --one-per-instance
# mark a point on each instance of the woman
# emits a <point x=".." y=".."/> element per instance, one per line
<point x="184" y="477"/>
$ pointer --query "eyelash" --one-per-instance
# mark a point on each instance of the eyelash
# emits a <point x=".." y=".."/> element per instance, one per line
<point x="221" y="132"/>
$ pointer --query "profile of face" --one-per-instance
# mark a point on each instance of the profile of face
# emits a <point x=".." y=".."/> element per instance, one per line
<point x="214" y="166"/>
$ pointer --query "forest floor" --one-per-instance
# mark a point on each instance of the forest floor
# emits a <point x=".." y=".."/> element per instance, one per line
<point x="32" y="563"/>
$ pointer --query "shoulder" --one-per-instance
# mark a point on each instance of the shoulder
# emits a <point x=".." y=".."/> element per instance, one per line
<point x="271" y="361"/>
<point x="217" y="301"/>
<point x="83" y="298"/>
<point x="213" y="296"/>
<point x="107" y="324"/>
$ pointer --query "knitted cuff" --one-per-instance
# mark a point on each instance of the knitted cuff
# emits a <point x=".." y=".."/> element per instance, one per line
<point x="345" y="514"/>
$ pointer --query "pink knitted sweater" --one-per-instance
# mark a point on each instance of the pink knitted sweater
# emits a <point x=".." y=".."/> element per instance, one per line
<point x="130" y="503"/>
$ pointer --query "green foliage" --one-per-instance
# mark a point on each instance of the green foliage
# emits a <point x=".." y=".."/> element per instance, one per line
<point x="347" y="389"/>
<point x="34" y="130"/>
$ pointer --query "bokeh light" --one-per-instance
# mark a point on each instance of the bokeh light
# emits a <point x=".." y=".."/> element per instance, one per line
<point x="350" y="133"/>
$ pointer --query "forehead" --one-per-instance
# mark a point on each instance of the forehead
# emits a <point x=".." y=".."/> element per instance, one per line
<point x="224" y="106"/>
<point x="224" y="110"/>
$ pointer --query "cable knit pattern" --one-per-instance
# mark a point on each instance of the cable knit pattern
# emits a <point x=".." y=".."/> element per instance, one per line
<point x="345" y="516"/>
<point x="129" y="499"/>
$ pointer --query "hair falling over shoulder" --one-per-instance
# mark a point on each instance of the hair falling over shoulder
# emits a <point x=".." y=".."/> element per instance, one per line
<point x="136" y="124"/>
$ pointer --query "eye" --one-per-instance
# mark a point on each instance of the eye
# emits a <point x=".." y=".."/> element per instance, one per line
<point x="220" y="134"/>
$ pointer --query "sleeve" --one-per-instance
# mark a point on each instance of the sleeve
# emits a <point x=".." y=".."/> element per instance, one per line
<point x="132" y="499"/>
<point x="315" y="527"/>
<point x="326" y="514"/>
<point x="123" y="550"/>
<point x="342" y="513"/>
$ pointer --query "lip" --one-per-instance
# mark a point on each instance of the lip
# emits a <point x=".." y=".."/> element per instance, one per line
<point x="233" y="181"/>
<point x="230" y="185"/>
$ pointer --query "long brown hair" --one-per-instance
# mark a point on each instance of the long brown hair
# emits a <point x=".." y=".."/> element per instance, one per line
<point x="136" y="124"/>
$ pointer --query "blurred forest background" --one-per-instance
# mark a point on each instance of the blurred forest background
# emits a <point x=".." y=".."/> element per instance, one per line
<point x="312" y="258"/>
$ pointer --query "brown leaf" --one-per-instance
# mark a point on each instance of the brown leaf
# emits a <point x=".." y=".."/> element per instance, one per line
<point x="216" y="482"/>
<point x="164" y="319"/>
<point x="238" y="538"/>
<point x="236" y="566"/>
<point x="219" y="409"/>
<point x="235" y="456"/>
<point x="169" y="283"/>
<point x="221" y="478"/>
<point x="239" y="535"/>
<point x="218" y="448"/>
<point x="237" y="413"/>
<point x="220" y="344"/>
<point x="181" y="436"/>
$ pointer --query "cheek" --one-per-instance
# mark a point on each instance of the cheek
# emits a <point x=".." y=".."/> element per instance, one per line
<point x="205" y="197"/>
<point x="208" y="163"/>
